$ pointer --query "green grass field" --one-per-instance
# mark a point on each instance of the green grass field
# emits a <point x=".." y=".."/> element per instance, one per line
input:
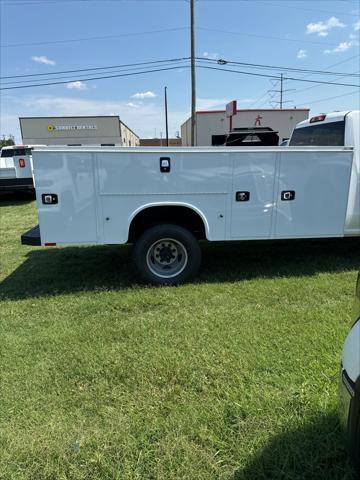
<point x="233" y="376"/>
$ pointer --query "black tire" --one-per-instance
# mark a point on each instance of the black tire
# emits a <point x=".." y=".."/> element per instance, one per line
<point x="161" y="241"/>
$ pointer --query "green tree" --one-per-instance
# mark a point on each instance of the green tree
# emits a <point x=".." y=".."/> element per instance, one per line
<point x="5" y="142"/>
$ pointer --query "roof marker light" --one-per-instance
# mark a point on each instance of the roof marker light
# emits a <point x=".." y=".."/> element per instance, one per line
<point x="318" y="118"/>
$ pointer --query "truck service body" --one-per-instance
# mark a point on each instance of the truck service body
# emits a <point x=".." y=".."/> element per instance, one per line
<point x="165" y="199"/>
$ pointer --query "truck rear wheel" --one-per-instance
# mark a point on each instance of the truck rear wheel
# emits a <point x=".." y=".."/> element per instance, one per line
<point x="167" y="255"/>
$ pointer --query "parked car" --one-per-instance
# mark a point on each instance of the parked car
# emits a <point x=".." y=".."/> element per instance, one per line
<point x="16" y="168"/>
<point x="349" y="398"/>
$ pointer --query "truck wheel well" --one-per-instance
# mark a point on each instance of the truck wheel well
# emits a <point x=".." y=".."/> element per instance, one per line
<point x="173" y="214"/>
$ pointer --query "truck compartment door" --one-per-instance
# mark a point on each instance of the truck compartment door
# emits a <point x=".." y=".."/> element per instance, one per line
<point x="68" y="178"/>
<point x="129" y="181"/>
<point x="312" y="193"/>
<point x="253" y="194"/>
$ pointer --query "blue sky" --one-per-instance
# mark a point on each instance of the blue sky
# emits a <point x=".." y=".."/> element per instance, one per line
<point x="310" y="34"/>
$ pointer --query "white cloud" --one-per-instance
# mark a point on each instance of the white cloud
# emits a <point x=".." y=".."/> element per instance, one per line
<point x="353" y="41"/>
<point x="322" y="28"/>
<point x="342" y="47"/>
<point x="43" y="59"/>
<point x="246" y="100"/>
<point x="218" y="103"/>
<point x="207" y="103"/>
<point x="142" y="95"/>
<point x="301" y="54"/>
<point x="78" y="85"/>
<point x="211" y="56"/>
<point x="132" y="105"/>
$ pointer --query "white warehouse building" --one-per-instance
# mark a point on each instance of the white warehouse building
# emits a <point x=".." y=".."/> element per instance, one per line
<point x="212" y="123"/>
<point x="96" y="130"/>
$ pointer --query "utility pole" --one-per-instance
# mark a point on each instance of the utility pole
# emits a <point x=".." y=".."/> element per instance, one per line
<point x="166" y="119"/>
<point x="193" y="84"/>
<point x="281" y="90"/>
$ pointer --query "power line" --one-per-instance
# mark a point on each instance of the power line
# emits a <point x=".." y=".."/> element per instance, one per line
<point x="80" y="77"/>
<point x="343" y="61"/>
<point x="277" y="77"/>
<point x="182" y="59"/>
<point x="293" y="7"/>
<point x="329" y="98"/>
<point x="268" y="37"/>
<point x="275" y="67"/>
<point x="330" y="66"/>
<point x="97" y="68"/>
<point x="174" y="68"/>
<point x="315" y="86"/>
<point x="306" y="76"/>
<point x="86" y="39"/>
<point x="259" y="98"/>
<point x="94" y="78"/>
<point x="152" y="32"/>
<point x="69" y="2"/>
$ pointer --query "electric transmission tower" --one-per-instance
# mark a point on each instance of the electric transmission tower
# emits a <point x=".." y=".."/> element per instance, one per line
<point x="280" y="92"/>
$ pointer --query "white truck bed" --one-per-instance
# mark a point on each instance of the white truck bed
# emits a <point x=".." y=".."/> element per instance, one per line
<point x="101" y="190"/>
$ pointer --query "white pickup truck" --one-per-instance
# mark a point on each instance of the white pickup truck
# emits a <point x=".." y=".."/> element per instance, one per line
<point x="166" y="199"/>
<point x="15" y="168"/>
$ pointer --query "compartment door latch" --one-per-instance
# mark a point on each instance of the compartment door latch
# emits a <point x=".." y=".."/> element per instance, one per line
<point x="49" y="198"/>
<point x="165" y="164"/>
<point x="287" y="195"/>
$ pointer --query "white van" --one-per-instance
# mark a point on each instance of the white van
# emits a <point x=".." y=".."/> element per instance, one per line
<point x="15" y="168"/>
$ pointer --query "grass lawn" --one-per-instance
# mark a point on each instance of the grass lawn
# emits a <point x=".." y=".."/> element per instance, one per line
<point x="233" y="376"/>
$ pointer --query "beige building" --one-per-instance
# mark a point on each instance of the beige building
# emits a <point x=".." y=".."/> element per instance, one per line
<point x="211" y="123"/>
<point x="97" y="130"/>
<point x="160" y="142"/>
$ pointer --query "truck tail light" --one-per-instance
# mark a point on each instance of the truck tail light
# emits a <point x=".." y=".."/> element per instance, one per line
<point x="318" y="118"/>
<point x="21" y="163"/>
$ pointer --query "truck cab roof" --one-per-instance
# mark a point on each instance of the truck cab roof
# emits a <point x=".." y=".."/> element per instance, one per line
<point x="16" y="150"/>
<point x="330" y="129"/>
<point x="327" y="118"/>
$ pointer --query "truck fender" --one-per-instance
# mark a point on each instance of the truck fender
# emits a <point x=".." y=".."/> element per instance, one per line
<point x="170" y="204"/>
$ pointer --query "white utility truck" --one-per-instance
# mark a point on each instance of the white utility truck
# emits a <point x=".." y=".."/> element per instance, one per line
<point x="166" y="199"/>
<point x="15" y="168"/>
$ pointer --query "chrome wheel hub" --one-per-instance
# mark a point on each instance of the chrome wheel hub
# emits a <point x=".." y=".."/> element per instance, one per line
<point x="167" y="258"/>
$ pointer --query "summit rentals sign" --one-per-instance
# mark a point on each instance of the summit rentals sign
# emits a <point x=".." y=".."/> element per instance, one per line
<point x="53" y="128"/>
<point x="82" y="130"/>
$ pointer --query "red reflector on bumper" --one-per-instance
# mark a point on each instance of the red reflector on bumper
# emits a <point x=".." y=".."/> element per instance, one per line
<point x="50" y="244"/>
